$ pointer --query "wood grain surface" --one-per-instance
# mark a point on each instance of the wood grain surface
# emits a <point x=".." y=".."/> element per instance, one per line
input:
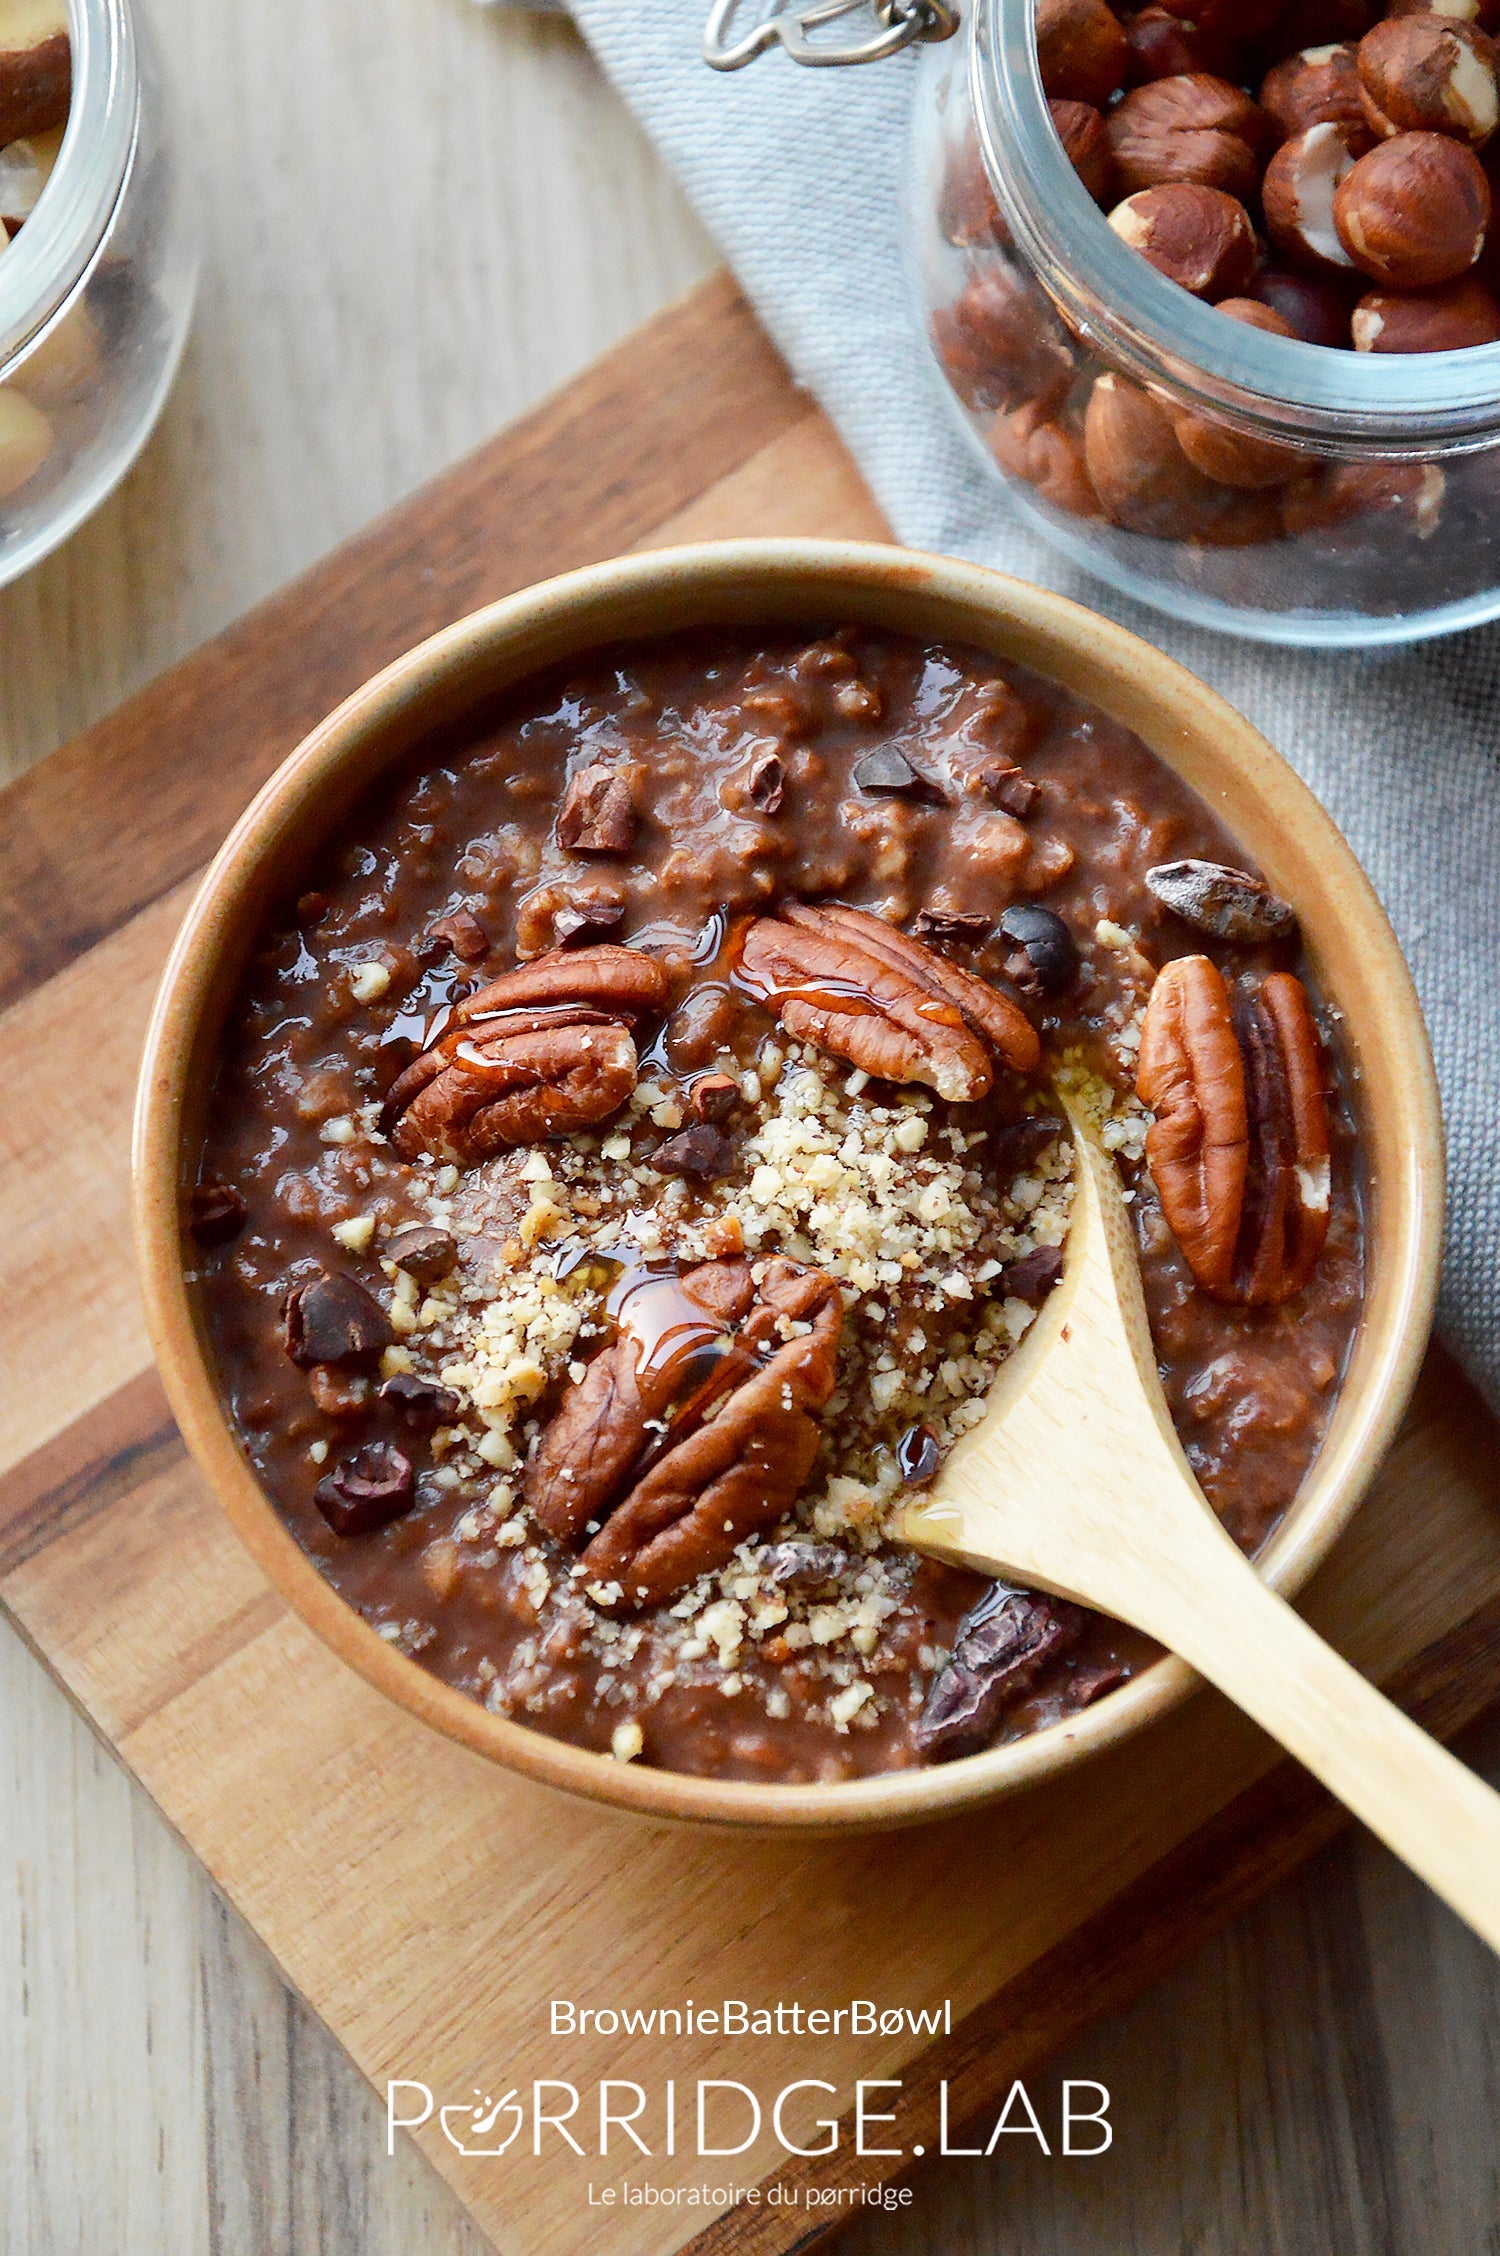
<point x="1324" y="2080"/>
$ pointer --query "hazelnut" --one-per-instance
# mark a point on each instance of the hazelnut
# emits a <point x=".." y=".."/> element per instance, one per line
<point x="25" y="169"/>
<point x="1241" y="520"/>
<point x="1080" y="129"/>
<point x="1297" y="196"/>
<point x="25" y="441"/>
<point x="1321" y="23"/>
<point x="1198" y="237"/>
<point x="1347" y="505"/>
<point x="1314" y="306"/>
<point x="36" y="68"/>
<point x="1144" y="481"/>
<point x="1080" y="50"/>
<point x="1256" y="315"/>
<point x="1194" y="128"/>
<point x="1484" y="14"/>
<point x="1318" y="87"/>
<point x="67" y="359"/>
<point x="1233" y="22"/>
<point x="1425" y="74"/>
<point x="1163" y="46"/>
<point x="968" y="214"/>
<point x="1216" y="447"/>
<point x="1443" y="320"/>
<point x="1044" y="455"/>
<point x="1232" y="457"/>
<point x="1001" y="343"/>
<point x="1414" y="211"/>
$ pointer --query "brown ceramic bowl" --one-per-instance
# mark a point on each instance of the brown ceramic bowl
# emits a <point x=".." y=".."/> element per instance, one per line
<point x="1231" y="767"/>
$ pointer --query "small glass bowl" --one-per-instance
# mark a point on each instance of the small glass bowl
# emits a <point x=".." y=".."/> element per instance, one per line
<point x="96" y="293"/>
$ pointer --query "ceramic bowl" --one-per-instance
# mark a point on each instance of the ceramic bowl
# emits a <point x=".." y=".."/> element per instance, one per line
<point x="1352" y="948"/>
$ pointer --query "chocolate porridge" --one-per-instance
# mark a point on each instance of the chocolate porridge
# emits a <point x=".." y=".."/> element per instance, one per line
<point x="637" y="1145"/>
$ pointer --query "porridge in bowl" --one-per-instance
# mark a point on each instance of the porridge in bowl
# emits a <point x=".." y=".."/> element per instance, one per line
<point x="637" y="1144"/>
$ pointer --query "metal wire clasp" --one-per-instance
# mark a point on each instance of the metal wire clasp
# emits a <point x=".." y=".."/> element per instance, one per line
<point x="899" y="23"/>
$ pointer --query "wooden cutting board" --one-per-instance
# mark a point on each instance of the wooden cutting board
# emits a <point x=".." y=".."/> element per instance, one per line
<point x="428" y="1907"/>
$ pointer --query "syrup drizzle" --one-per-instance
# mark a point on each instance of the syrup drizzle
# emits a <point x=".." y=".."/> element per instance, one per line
<point x="423" y="1017"/>
<point x="690" y="1357"/>
<point x="918" y="1455"/>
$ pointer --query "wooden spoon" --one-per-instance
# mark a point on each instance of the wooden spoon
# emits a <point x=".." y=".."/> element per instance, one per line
<point x="1076" y="1483"/>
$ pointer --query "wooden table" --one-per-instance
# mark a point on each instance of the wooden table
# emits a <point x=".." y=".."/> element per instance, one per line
<point x="1323" y="2081"/>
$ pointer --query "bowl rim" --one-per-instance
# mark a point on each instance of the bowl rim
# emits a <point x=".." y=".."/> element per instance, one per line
<point x="728" y="580"/>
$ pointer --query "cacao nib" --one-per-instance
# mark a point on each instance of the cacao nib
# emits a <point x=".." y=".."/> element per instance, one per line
<point x="1000" y="1648"/>
<point x="419" y="1401"/>
<point x="918" y="1456"/>
<point x="802" y="1566"/>
<point x="339" y="1393"/>
<point x="596" y="816"/>
<point x="369" y="1490"/>
<point x="216" y="1213"/>
<point x="889" y="771"/>
<point x="464" y="935"/>
<point x="1228" y="904"/>
<point x="1033" y="1275"/>
<point x="1045" y="955"/>
<point x="589" y="915"/>
<point x="1021" y="1141"/>
<point x="1010" y="789"/>
<point x="713" y="1097"/>
<point x="702" y="1152"/>
<point x="953" y="924"/>
<point x="331" y="1319"/>
<point x="425" y="1254"/>
<point x="768" y="784"/>
<point x="1090" y="1681"/>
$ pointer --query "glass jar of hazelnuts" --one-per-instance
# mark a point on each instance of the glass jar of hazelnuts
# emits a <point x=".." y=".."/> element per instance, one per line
<point x="1210" y="282"/>
<point x="97" y="263"/>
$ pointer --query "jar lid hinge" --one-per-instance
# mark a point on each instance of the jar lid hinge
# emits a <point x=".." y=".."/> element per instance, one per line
<point x="897" y="24"/>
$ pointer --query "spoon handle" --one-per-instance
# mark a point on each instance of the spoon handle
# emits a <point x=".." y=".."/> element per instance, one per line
<point x="1437" y="1816"/>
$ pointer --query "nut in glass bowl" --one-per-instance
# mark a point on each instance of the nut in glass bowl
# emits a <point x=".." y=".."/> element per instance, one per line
<point x="1215" y="295"/>
<point x="98" y="266"/>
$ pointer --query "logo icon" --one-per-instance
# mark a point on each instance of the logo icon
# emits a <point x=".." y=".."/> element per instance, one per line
<point x="482" y="2124"/>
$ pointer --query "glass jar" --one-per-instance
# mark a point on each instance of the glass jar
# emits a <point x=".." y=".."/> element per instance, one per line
<point x="96" y="292"/>
<point x="1071" y="361"/>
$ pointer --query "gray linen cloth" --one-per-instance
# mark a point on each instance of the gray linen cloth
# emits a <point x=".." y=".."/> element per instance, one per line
<point x="798" y="176"/>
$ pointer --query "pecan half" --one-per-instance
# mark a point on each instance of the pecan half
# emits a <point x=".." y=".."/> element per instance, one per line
<point x="875" y="996"/>
<point x="722" y="1468"/>
<point x="668" y="1325"/>
<point x="1286" y="1207"/>
<point x="622" y="982"/>
<point x="541" y="1051"/>
<point x="1239" y="1149"/>
<point x="743" y="1469"/>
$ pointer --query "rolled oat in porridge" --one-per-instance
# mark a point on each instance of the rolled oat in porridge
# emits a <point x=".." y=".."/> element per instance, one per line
<point x="638" y="1143"/>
